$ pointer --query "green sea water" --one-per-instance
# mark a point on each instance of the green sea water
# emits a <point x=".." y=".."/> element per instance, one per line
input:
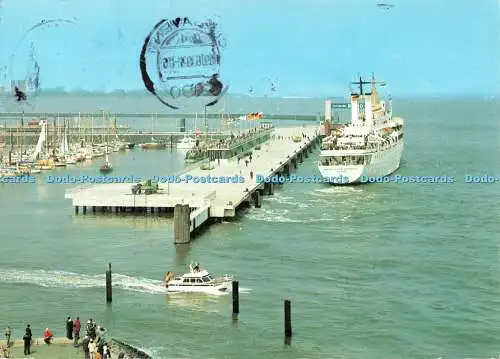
<point x="373" y="271"/>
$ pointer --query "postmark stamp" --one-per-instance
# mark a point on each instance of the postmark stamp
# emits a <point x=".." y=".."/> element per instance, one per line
<point x="180" y="63"/>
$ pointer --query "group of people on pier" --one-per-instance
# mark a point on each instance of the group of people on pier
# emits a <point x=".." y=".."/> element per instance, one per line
<point x="94" y="344"/>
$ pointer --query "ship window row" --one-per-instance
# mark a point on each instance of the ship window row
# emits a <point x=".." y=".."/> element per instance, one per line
<point x="204" y="279"/>
<point x="344" y="160"/>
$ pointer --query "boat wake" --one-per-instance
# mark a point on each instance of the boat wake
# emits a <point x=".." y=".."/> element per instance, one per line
<point x="61" y="279"/>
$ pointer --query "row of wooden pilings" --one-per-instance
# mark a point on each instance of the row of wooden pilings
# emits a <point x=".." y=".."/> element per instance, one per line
<point x="287" y="306"/>
<point x="284" y="171"/>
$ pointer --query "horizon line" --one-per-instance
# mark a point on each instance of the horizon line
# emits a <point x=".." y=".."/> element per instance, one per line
<point x="59" y="91"/>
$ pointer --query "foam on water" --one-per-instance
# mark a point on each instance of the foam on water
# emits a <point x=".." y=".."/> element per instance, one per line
<point x="61" y="279"/>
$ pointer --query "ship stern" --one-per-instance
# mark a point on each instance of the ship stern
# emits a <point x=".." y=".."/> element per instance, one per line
<point x="342" y="175"/>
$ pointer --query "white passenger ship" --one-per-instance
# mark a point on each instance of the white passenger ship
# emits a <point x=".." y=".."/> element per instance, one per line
<point x="198" y="280"/>
<point x="371" y="145"/>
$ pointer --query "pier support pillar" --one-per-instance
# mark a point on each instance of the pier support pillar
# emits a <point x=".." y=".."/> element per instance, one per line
<point x="286" y="170"/>
<point x="181" y="224"/>
<point x="306" y="152"/>
<point x="257" y="199"/>
<point x="93" y="209"/>
<point x="301" y="159"/>
<point x="268" y="189"/>
<point x="76" y="209"/>
<point x="84" y="209"/>
<point x="294" y="163"/>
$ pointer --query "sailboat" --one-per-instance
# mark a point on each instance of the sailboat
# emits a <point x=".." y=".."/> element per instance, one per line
<point x="107" y="166"/>
<point x="63" y="150"/>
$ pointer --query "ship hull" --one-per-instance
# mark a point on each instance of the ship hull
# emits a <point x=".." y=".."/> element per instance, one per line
<point x="382" y="163"/>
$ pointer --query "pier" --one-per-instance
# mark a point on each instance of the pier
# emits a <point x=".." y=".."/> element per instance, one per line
<point x="17" y="115"/>
<point x="197" y="204"/>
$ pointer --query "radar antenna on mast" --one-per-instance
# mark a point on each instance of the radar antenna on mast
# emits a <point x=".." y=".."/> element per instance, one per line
<point x="360" y="84"/>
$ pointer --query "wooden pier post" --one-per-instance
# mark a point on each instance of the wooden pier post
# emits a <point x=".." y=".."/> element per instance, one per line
<point x="286" y="169"/>
<point x="76" y="210"/>
<point x="109" y="288"/>
<point x="236" y="299"/>
<point x="84" y="209"/>
<point x="182" y="230"/>
<point x="288" y="319"/>
<point x="257" y="199"/>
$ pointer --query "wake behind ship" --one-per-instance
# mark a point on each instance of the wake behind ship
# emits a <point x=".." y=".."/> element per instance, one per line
<point x="371" y="145"/>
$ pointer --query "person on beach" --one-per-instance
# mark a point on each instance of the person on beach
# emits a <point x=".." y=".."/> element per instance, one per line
<point x="76" y="327"/>
<point x="85" y="344"/>
<point x="27" y="341"/>
<point x="69" y="328"/>
<point x="8" y="333"/>
<point x="92" y="349"/>
<point x="47" y="336"/>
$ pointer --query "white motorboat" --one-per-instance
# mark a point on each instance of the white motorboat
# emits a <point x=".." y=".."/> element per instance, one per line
<point x="186" y="143"/>
<point x="198" y="280"/>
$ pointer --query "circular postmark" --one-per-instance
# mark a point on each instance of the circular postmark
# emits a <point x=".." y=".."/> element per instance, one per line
<point x="21" y="88"/>
<point x="180" y="63"/>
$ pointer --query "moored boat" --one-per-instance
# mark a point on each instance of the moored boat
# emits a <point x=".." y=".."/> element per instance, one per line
<point x="186" y="143"/>
<point x="197" y="280"/>
<point x="370" y="146"/>
<point x="152" y="146"/>
<point x="106" y="167"/>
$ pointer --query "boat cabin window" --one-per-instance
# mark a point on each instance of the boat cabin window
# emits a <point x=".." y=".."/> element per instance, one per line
<point x="186" y="280"/>
<point x="198" y="280"/>
<point x="193" y="280"/>
<point x="206" y="278"/>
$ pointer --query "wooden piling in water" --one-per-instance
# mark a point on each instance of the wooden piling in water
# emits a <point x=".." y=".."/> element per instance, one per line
<point x="236" y="298"/>
<point x="109" y="288"/>
<point x="288" y="318"/>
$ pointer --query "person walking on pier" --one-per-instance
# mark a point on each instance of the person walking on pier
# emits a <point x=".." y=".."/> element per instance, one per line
<point x="27" y="341"/>
<point x="69" y="328"/>
<point x="76" y="328"/>
<point x="8" y="333"/>
<point x="246" y="163"/>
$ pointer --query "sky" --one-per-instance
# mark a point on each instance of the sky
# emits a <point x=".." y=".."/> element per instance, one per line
<point x="307" y="48"/>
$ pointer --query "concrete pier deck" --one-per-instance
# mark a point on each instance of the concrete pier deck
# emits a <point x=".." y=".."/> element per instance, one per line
<point x="195" y="203"/>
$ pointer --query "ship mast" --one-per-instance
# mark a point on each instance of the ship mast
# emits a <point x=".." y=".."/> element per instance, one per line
<point x="374" y="91"/>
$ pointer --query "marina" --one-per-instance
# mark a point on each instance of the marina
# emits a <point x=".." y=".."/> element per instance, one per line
<point x="196" y="203"/>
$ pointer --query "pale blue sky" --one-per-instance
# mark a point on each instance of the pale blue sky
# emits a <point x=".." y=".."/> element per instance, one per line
<point x="310" y="47"/>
